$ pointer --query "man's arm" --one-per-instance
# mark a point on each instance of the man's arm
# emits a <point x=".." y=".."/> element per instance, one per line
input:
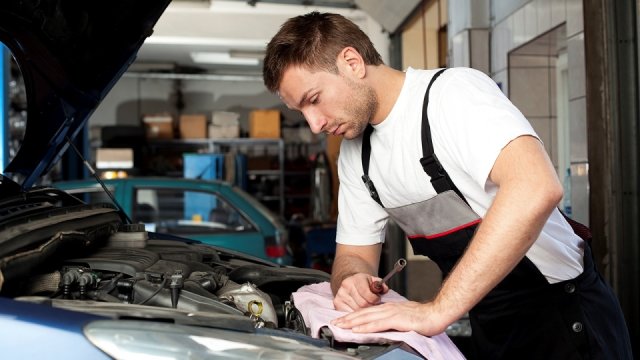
<point x="354" y="267"/>
<point x="528" y="192"/>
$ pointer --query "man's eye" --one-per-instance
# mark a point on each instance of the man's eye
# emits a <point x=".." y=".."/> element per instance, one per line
<point x="315" y="100"/>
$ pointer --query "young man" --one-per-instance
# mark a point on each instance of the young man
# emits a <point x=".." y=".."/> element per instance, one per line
<point x="483" y="207"/>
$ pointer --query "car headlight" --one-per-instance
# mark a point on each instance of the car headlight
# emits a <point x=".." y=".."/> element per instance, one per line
<point x="154" y="340"/>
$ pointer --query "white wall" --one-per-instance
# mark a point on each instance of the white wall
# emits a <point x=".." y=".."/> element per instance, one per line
<point x="514" y="23"/>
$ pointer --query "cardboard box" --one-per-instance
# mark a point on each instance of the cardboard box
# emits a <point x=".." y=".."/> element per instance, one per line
<point x="114" y="158"/>
<point x="224" y="131"/>
<point x="193" y="126"/>
<point x="264" y="124"/>
<point x="225" y="118"/>
<point x="158" y="126"/>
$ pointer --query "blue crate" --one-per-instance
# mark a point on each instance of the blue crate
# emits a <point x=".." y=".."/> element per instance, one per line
<point x="206" y="167"/>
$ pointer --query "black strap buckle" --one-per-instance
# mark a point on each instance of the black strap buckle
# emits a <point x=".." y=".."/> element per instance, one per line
<point x="372" y="189"/>
<point x="431" y="165"/>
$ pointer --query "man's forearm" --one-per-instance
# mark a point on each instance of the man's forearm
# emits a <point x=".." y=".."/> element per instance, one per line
<point x="528" y="192"/>
<point x="346" y="264"/>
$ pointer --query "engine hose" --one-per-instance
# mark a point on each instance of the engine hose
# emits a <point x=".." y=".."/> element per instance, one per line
<point x="164" y="281"/>
<point x="296" y="322"/>
<point x="101" y="295"/>
<point x="68" y="279"/>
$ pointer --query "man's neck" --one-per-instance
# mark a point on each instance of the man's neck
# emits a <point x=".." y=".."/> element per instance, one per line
<point x="387" y="84"/>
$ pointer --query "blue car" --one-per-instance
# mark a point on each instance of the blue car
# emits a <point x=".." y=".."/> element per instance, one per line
<point x="210" y="211"/>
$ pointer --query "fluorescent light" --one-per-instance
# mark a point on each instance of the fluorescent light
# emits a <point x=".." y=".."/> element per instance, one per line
<point x="221" y="58"/>
<point x="206" y="41"/>
<point x="247" y="54"/>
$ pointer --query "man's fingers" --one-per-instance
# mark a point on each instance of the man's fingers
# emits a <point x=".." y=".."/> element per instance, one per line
<point x="346" y="302"/>
<point x="357" y="318"/>
<point x="374" y="319"/>
<point x="341" y="305"/>
<point x="373" y="326"/>
<point x="405" y="316"/>
<point x="365" y="300"/>
<point x="355" y="300"/>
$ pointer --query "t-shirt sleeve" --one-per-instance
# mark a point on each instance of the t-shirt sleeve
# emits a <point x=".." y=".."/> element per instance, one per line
<point x="474" y="121"/>
<point x="361" y="221"/>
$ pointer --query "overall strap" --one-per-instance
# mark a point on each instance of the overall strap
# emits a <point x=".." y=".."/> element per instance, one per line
<point x="440" y="180"/>
<point x="366" y="155"/>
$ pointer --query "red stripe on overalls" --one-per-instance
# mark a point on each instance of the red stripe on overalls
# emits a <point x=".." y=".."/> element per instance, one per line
<point x="445" y="233"/>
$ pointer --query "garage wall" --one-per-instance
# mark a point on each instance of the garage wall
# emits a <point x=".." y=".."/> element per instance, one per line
<point x="512" y="25"/>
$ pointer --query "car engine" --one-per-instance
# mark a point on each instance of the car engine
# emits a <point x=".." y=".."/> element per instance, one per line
<point x="68" y="254"/>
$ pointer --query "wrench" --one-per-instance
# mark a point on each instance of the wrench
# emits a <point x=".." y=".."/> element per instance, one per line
<point x="376" y="286"/>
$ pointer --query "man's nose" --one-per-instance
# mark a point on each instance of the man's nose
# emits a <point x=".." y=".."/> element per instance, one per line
<point x="315" y="120"/>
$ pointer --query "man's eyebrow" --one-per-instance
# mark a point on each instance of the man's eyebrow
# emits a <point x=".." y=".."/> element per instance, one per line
<point x="303" y="98"/>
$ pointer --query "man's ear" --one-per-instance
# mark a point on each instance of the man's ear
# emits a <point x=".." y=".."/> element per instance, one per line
<point x="351" y="62"/>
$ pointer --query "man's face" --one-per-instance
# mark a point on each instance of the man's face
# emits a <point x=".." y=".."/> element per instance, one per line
<point x="331" y="103"/>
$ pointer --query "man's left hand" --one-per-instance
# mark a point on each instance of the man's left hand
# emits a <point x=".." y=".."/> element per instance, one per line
<point x="400" y="316"/>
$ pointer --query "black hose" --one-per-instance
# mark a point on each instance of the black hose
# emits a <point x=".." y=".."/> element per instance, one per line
<point x="164" y="281"/>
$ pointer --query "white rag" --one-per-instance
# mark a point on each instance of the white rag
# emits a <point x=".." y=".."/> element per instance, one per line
<point x="315" y="303"/>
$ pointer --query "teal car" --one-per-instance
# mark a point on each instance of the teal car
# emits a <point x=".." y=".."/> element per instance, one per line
<point x="213" y="212"/>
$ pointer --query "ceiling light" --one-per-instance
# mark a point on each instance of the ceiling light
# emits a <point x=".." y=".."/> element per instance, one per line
<point x="223" y="58"/>
<point x="247" y="54"/>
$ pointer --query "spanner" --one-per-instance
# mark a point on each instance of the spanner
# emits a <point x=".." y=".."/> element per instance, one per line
<point x="376" y="286"/>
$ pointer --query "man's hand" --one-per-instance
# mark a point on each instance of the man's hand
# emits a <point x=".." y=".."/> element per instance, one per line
<point x="400" y="316"/>
<point x="356" y="293"/>
<point x="351" y="277"/>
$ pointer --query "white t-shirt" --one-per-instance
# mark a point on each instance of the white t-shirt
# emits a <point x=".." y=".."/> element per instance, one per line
<point x="471" y="122"/>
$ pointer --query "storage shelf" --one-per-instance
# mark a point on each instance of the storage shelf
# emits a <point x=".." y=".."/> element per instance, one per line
<point x="268" y="198"/>
<point x="222" y="145"/>
<point x="265" y="172"/>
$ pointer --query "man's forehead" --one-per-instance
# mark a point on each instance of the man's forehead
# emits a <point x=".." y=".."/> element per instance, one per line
<point x="295" y="82"/>
<point x="283" y="99"/>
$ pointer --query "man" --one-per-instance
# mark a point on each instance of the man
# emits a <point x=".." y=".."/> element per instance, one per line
<point x="483" y="207"/>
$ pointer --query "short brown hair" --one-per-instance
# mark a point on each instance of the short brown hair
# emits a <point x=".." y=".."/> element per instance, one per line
<point x="314" y="41"/>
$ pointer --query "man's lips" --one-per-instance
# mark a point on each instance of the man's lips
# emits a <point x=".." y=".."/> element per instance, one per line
<point x="336" y="130"/>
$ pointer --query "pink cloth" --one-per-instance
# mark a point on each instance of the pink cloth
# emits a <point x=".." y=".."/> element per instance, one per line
<point x="315" y="302"/>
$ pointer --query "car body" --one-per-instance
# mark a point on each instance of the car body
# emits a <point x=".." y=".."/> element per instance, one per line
<point x="213" y="212"/>
<point x="80" y="281"/>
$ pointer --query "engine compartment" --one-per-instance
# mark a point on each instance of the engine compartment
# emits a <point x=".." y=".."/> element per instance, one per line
<point x="129" y="267"/>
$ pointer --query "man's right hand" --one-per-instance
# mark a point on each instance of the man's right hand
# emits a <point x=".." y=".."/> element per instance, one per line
<point x="356" y="293"/>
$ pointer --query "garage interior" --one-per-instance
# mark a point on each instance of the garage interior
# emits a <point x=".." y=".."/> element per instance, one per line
<point x="193" y="105"/>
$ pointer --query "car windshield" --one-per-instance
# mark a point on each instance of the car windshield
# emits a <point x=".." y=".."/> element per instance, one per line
<point x="259" y="206"/>
<point x="179" y="211"/>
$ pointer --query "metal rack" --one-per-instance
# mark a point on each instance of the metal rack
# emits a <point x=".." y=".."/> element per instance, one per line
<point x="218" y="145"/>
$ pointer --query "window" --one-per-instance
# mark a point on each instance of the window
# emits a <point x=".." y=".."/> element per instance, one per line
<point x="183" y="212"/>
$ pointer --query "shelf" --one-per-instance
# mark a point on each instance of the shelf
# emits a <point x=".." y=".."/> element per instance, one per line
<point x="268" y="198"/>
<point x="221" y="146"/>
<point x="298" y="196"/>
<point x="265" y="172"/>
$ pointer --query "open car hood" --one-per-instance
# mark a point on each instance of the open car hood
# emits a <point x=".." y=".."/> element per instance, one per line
<point x="70" y="53"/>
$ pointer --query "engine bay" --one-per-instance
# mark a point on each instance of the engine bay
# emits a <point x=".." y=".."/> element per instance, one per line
<point x="85" y="254"/>
<point x="177" y="275"/>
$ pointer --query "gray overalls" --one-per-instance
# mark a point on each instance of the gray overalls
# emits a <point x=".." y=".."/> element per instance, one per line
<point x="523" y="317"/>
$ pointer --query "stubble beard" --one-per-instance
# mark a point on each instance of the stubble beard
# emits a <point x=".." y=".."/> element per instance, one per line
<point x="363" y="108"/>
